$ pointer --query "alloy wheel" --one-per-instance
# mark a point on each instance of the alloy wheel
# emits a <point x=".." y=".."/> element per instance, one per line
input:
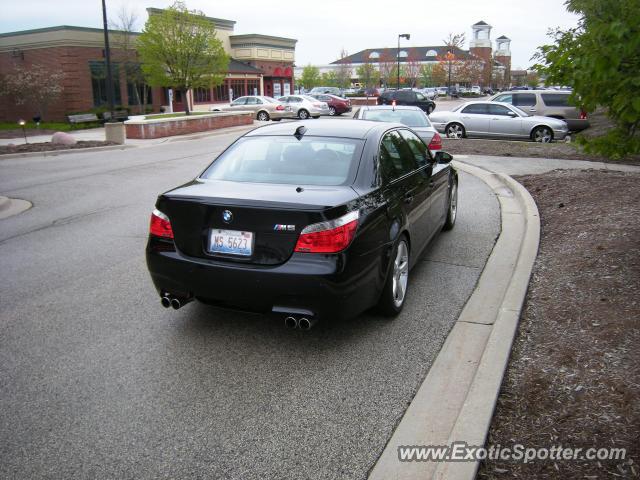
<point x="400" y="273"/>
<point x="303" y="114"/>
<point x="454" y="131"/>
<point x="542" y="135"/>
<point x="453" y="202"/>
<point x="332" y="111"/>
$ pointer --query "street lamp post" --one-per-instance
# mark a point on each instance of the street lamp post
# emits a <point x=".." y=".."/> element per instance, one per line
<point x="402" y="35"/>
<point x="107" y="56"/>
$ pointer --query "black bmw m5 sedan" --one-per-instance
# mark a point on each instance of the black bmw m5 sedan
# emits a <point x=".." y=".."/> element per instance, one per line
<point x="306" y="220"/>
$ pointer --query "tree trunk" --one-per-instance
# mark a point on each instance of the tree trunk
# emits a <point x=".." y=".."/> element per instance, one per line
<point x="185" y="100"/>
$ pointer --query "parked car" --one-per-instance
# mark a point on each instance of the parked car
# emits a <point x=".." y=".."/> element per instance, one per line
<point x="430" y="93"/>
<point x="407" y="97"/>
<point x="337" y="105"/>
<point x="413" y="117"/>
<point x="493" y="119"/>
<point x="265" y="108"/>
<point x="332" y="90"/>
<point x="304" y="106"/>
<point x="548" y="103"/>
<point x="476" y="89"/>
<point x="305" y="221"/>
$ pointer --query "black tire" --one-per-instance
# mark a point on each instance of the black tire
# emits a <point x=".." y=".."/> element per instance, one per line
<point x="276" y="119"/>
<point x="315" y="118"/>
<point x="303" y="114"/>
<point x="452" y="206"/>
<point x="542" y="135"/>
<point x="263" y="116"/>
<point x="455" y="130"/>
<point x="332" y="111"/>
<point x="388" y="304"/>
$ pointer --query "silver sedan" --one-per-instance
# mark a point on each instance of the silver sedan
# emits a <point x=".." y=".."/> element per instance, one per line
<point x="304" y="106"/>
<point x="265" y="108"/>
<point x="494" y="119"/>
<point x="413" y="117"/>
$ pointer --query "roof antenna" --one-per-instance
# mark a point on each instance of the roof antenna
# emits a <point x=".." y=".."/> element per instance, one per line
<point x="300" y="131"/>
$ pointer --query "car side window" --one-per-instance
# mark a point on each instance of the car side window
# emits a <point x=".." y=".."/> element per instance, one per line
<point x="524" y="99"/>
<point x="505" y="98"/>
<point x="239" y="101"/>
<point x="396" y="158"/>
<point x="499" y="110"/>
<point x="252" y="101"/>
<point x="295" y="99"/>
<point x="405" y="96"/>
<point x="418" y="148"/>
<point x="477" y="109"/>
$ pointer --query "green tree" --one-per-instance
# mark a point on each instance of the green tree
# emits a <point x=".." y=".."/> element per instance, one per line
<point x="600" y="59"/>
<point x="368" y="75"/>
<point x="310" y="77"/>
<point x="426" y="75"/>
<point x="533" y="79"/>
<point x="329" y="79"/>
<point x="178" y="48"/>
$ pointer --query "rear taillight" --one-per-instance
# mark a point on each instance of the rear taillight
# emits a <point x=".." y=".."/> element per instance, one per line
<point x="436" y="142"/>
<point x="328" y="237"/>
<point x="583" y="115"/>
<point x="280" y="107"/>
<point x="160" y="225"/>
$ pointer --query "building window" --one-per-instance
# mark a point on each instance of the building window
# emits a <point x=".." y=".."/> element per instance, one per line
<point x="432" y="53"/>
<point x="253" y="86"/>
<point x="374" y="55"/>
<point x="98" y="72"/>
<point x="137" y="93"/>
<point x="237" y="85"/>
<point x="202" y="95"/>
<point x="403" y="54"/>
<point x="221" y="92"/>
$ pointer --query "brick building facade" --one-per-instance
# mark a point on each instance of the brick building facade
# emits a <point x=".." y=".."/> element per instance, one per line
<point x="258" y="63"/>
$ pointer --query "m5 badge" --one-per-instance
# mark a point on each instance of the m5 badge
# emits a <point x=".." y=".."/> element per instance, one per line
<point x="284" y="228"/>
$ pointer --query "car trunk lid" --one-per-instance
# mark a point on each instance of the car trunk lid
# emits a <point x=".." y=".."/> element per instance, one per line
<point x="273" y="213"/>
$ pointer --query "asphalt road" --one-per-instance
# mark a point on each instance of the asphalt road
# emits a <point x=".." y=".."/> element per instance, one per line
<point x="97" y="380"/>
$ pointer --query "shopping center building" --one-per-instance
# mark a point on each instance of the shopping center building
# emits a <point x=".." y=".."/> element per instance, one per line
<point x="260" y="64"/>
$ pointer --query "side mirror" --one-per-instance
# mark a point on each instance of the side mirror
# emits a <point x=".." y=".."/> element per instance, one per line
<point x="512" y="114"/>
<point x="443" y="157"/>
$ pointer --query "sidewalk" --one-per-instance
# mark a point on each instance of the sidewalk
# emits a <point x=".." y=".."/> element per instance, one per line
<point x="98" y="134"/>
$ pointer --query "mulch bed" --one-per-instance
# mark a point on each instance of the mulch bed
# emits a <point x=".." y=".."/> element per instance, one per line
<point x="501" y="148"/>
<point x="47" y="146"/>
<point x="574" y="374"/>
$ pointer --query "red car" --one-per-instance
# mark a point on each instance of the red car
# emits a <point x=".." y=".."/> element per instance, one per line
<point x="337" y="105"/>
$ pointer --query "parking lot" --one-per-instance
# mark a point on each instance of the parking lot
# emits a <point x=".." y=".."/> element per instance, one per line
<point x="100" y="381"/>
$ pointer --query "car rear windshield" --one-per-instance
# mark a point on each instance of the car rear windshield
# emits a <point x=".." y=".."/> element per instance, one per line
<point x="410" y="118"/>
<point x="287" y="160"/>
<point x="555" y="99"/>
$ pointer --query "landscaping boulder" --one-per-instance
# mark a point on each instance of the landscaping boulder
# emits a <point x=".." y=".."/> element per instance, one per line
<point x="63" y="138"/>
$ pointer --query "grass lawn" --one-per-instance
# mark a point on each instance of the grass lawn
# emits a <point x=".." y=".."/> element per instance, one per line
<point x="56" y="126"/>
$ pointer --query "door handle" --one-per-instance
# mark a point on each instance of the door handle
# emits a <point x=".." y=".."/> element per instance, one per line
<point x="495" y="119"/>
<point x="408" y="197"/>
<point x="532" y="110"/>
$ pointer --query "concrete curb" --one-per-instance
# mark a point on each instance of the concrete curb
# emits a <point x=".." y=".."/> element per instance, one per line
<point x="54" y="153"/>
<point x="455" y="402"/>
<point x="12" y="206"/>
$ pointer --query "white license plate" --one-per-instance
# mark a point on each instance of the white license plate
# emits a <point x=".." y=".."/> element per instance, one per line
<point x="231" y="242"/>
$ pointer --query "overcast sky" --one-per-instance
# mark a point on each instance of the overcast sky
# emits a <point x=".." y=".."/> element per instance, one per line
<point x="324" y="27"/>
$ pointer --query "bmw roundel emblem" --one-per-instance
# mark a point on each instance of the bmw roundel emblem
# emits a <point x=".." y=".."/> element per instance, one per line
<point x="227" y="216"/>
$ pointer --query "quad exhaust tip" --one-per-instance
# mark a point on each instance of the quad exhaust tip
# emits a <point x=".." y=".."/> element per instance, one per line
<point x="291" y="322"/>
<point x="167" y="300"/>
<point x="302" y="323"/>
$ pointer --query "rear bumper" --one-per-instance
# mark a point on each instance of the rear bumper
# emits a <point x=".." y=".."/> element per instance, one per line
<point x="326" y="286"/>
